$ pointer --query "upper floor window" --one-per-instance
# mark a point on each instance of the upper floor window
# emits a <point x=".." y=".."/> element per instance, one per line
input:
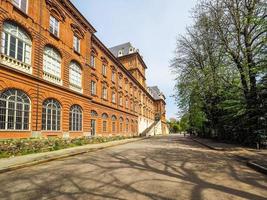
<point x="92" y="61"/>
<point x="104" y="70"/>
<point x="93" y="88"/>
<point x="75" y="74"/>
<point x="113" y="76"/>
<point x="76" y="43"/>
<point x="120" y="101"/>
<point x="54" y="26"/>
<point x="104" y="92"/>
<point x="52" y="62"/>
<point x="126" y="103"/>
<point x="14" y="110"/>
<point x="120" y="53"/>
<point x="21" y="4"/>
<point x="16" y="43"/>
<point x="113" y="97"/>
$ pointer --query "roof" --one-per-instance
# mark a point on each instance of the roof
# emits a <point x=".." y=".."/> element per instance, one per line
<point x="124" y="48"/>
<point x="156" y="93"/>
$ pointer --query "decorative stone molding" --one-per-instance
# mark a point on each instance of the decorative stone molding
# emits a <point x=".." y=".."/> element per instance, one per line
<point x="55" y="10"/>
<point x="52" y="78"/>
<point x="77" y="31"/>
<point x="13" y="63"/>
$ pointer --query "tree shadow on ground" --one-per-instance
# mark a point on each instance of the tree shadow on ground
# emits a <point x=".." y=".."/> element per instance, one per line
<point x="132" y="172"/>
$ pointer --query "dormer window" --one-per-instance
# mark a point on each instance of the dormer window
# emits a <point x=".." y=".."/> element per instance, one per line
<point x="131" y="50"/>
<point x="54" y="26"/>
<point x="21" y="4"/>
<point x="76" y="43"/>
<point x="120" y="53"/>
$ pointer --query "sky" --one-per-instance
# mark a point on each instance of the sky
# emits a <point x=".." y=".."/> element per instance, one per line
<point x="152" y="26"/>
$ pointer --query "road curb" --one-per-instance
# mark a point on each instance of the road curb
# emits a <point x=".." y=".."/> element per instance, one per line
<point x="257" y="167"/>
<point x="45" y="160"/>
<point x="210" y="147"/>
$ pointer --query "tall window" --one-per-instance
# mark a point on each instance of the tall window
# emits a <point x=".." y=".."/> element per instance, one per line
<point x="127" y="125"/>
<point x="121" y="124"/>
<point x="21" y="4"/>
<point x="104" y="92"/>
<point x="104" y="122"/>
<point x="54" y="26"/>
<point x="92" y="61"/>
<point x="16" y="43"/>
<point x="76" y="118"/>
<point x="113" y="76"/>
<point x="114" y="118"/>
<point x="126" y="103"/>
<point x="120" y="101"/>
<point x="104" y="70"/>
<point x="76" y="43"/>
<point x="113" y="97"/>
<point x="75" y="75"/>
<point x="14" y="110"/>
<point x="52" y="62"/>
<point x="51" y="115"/>
<point x="93" y="88"/>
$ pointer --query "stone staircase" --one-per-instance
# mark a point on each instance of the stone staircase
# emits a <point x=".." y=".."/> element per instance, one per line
<point x="151" y="129"/>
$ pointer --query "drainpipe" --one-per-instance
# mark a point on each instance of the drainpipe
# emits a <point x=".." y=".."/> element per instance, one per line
<point x="38" y="69"/>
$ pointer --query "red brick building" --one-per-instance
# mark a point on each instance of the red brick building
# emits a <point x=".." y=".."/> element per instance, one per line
<point x="58" y="79"/>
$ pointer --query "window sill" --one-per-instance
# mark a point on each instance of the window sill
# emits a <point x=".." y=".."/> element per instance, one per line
<point x="77" y="52"/>
<point x="94" y="95"/>
<point x="24" y="14"/>
<point x="54" y="36"/>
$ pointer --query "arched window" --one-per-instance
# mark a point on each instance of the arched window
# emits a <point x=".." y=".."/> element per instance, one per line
<point x="104" y="122"/>
<point x="121" y="124"/>
<point x="16" y="43"/>
<point x="94" y="113"/>
<point x="76" y="118"/>
<point x="127" y="125"/>
<point x="114" y="119"/>
<point x="75" y="75"/>
<point x="51" y="115"/>
<point x="14" y="110"/>
<point x="52" y="62"/>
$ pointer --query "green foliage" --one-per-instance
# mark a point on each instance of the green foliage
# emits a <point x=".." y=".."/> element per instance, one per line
<point x="221" y="69"/>
<point x="17" y="147"/>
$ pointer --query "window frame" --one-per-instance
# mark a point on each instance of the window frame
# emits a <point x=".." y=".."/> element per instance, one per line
<point x="93" y="88"/>
<point x="22" y="101"/>
<point x="55" y="29"/>
<point x="6" y="39"/>
<point x="76" y="118"/>
<point x="58" y="119"/>
<point x="76" y="42"/>
<point x="19" y="6"/>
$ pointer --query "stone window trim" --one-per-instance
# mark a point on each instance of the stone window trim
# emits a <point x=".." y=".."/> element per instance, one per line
<point x="15" y="110"/>
<point x="55" y="10"/>
<point x="21" y="5"/>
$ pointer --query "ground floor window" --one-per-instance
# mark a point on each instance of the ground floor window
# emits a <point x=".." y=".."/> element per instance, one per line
<point x="51" y="115"/>
<point x="75" y="123"/>
<point x="14" y="110"/>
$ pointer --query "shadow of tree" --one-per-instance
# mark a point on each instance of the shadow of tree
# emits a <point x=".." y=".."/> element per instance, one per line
<point x="159" y="168"/>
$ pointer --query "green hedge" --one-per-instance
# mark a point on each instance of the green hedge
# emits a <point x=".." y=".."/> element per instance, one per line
<point x="18" y="147"/>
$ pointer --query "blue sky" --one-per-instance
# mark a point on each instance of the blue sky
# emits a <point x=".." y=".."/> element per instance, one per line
<point x="152" y="26"/>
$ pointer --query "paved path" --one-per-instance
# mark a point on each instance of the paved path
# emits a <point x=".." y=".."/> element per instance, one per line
<point x="157" y="168"/>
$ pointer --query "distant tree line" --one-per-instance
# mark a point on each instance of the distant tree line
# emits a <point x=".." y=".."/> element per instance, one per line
<point x="221" y="68"/>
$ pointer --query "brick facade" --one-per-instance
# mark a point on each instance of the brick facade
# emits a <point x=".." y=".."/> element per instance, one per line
<point x="127" y="85"/>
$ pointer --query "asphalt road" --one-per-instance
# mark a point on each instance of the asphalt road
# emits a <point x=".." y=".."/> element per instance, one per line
<point x="156" y="168"/>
